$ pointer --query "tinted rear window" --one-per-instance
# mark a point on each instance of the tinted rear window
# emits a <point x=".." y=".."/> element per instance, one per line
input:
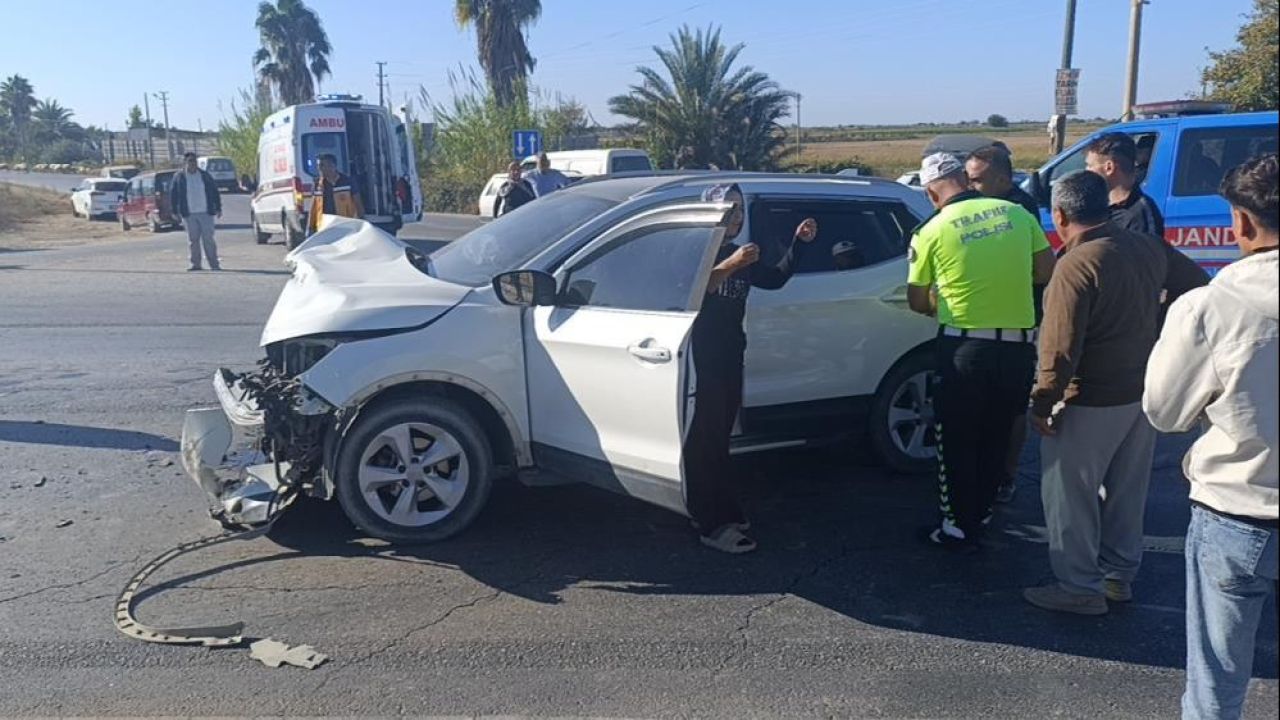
<point x="1205" y="155"/>
<point x="219" y="165"/>
<point x="111" y="186"/>
<point x="631" y="163"/>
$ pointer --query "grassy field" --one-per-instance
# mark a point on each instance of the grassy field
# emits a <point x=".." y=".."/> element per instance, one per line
<point x="20" y="204"/>
<point x="891" y="151"/>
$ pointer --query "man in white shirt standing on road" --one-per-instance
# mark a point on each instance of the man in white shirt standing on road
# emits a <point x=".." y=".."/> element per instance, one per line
<point x="194" y="197"/>
<point x="1215" y="366"/>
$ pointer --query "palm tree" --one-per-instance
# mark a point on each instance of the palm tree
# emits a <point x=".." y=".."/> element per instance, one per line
<point x="51" y="116"/>
<point x="17" y="98"/>
<point x="295" y="49"/>
<point x="720" y="116"/>
<point x="504" y="55"/>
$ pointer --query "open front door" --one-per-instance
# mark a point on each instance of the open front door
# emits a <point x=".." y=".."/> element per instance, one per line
<point x="609" y="367"/>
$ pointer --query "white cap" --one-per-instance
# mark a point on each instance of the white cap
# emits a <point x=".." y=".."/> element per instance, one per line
<point x="938" y="166"/>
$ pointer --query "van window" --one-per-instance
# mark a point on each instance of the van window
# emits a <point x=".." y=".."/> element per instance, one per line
<point x="1205" y="155"/>
<point x="107" y="185"/>
<point x="219" y="165"/>
<point x="162" y="181"/>
<point x="316" y="144"/>
<point x="148" y="185"/>
<point x="630" y="163"/>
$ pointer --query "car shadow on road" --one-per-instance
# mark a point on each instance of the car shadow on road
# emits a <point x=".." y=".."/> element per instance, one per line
<point x="833" y="531"/>
<point x="41" y="433"/>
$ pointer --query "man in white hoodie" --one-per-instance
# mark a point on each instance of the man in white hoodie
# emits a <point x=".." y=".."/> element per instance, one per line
<point x="1217" y="363"/>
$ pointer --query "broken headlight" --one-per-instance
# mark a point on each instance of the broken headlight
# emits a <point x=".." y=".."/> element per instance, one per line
<point x="296" y="356"/>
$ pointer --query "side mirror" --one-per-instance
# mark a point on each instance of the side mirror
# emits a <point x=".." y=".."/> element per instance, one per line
<point x="525" y="288"/>
<point x="1037" y="189"/>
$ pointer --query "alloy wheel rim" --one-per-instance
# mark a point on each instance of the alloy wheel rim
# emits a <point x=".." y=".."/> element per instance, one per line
<point x="911" y="418"/>
<point x="413" y="474"/>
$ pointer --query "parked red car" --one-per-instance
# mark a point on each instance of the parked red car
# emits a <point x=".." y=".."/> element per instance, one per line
<point x="147" y="203"/>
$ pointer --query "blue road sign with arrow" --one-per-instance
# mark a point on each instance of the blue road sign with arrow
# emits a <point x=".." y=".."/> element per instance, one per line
<point x="525" y="143"/>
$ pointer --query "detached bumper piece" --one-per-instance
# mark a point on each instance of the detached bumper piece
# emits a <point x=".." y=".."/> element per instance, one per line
<point x="220" y="450"/>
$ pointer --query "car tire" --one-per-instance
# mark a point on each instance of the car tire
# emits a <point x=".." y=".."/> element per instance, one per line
<point x="124" y="223"/>
<point x="371" y="476"/>
<point x="153" y="224"/>
<point x="260" y="237"/>
<point x="901" y="426"/>
<point x="74" y="211"/>
<point x="292" y="238"/>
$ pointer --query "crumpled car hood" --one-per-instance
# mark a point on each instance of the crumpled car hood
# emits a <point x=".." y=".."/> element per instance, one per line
<point x="352" y="277"/>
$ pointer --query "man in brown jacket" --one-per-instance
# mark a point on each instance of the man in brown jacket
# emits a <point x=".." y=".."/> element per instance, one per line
<point x="1102" y="310"/>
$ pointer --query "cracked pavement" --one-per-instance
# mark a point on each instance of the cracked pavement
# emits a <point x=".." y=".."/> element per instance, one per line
<point x="561" y="601"/>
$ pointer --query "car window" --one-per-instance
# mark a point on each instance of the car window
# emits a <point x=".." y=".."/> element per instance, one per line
<point x="514" y="239"/>
<point x="851" y="234"/>
<point x="1205" y="155"/>
<point x="316" y="144"/>
<point x="652" y="269"/>
<point x="110" y="185"/>
<point x="630" y="163"/>
<point x="148" y="185"/>
<point x="135" y="186"/>
<point x="1145" y="141"/>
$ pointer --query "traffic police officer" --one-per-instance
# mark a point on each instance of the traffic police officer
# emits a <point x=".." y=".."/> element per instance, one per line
<point x="972" y="265"/>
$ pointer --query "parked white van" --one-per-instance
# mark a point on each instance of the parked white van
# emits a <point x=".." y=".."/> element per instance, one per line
<point x="589" y="163"/>
<point x="371" y="145"/>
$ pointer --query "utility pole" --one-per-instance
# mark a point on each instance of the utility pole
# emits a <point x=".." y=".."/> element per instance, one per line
<point x="381" y="82"/>
<point x="151" y="148"/>
<point x="163" y="97"/>
<point x="1131" y="77"/>
<point x="1068" y="43"/>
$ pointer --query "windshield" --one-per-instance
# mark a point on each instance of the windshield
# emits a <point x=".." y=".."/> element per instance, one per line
<point x="514" y="239"/>
<point x="219" y="165"/>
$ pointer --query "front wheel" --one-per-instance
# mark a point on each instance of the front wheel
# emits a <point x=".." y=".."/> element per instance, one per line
<point x="414" y="471"/>
<point x="901" y="426"/>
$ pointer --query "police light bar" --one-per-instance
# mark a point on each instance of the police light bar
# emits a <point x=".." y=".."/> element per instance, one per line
<point x="1176" y="108"/>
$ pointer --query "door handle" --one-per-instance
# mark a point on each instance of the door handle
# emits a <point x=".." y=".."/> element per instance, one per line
<point x="647" y="351"/>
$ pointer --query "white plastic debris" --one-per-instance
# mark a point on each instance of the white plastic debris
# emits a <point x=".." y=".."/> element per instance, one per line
<point x="274" y="653"/>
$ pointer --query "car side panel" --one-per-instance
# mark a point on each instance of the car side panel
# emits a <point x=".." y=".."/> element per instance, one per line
<point x="477" y="344"/>
<point x="829" y="335"/>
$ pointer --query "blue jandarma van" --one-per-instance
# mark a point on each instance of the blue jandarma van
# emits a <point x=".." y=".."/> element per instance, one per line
<point x="1183" y="158"/>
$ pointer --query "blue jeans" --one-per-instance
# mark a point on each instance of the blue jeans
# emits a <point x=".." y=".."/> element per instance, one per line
<point x="1231" y="570"/>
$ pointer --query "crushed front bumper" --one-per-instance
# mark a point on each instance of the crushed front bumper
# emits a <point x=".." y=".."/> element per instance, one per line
<point x="221" y="452"/>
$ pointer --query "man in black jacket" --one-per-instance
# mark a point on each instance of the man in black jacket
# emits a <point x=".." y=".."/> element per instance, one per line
<point x="1114" y="156"/>
<point x="194" y="197"/>
<point x="515" y="192"/>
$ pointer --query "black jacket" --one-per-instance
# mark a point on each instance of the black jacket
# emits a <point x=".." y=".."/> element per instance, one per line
<point x="178" y="194"/>
<point x="1138" y="213"/>
<point x="511" y="196"/>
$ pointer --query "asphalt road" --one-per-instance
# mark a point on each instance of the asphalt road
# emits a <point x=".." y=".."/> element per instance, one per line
<point x="563" y="601"/>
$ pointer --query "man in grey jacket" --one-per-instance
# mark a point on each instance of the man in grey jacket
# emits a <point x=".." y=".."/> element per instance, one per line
<point x="1216" y="364"/>
<point x="194" y="197"/>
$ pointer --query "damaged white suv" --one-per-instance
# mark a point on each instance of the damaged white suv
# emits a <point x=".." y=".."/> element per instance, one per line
<point x="551" y="345"/>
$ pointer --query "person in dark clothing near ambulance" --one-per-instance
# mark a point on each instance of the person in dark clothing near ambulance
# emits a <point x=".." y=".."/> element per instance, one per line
<point x="990" y="171"/>
<point x="982" y="255"/>
<point x="719" y="344"/>
<point x="1114" y="156"/>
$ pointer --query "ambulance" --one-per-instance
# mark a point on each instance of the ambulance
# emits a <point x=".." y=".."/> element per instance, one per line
<point x="372" y="146"/>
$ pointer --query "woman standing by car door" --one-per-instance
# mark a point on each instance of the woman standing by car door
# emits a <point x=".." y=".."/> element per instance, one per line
<point x="719" y="344"/>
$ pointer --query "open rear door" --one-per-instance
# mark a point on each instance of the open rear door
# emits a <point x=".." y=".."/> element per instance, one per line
<point x="409" y="185"/>
<point x="609" y="369"/>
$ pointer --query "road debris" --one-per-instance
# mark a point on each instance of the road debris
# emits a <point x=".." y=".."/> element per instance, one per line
<point x="274" y="653"/>
<point x="64" y="523"/>
<point x="41" y="482"/>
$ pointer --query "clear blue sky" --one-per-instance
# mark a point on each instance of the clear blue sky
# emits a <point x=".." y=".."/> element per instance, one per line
<point x="854" y="61"/>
